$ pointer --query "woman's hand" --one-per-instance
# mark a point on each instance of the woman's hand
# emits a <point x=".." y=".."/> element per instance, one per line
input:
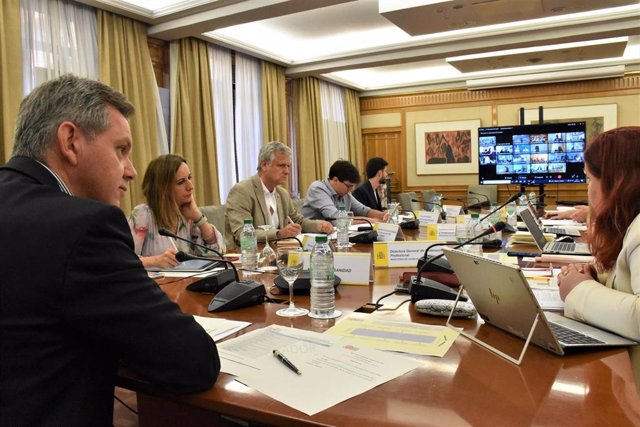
<point x="167" y="259"/>
<point x="191" y="211"/>
<point x="572" y="275"/>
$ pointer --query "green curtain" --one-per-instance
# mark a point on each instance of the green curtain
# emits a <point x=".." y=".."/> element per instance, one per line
<point x="10" y="74"/>
<point x="274" y="103"/>
<point x="193" y="134"/>
<point x="354" y="131"/>
<point x="125" y="65"/>
<point x="309" y="139"/>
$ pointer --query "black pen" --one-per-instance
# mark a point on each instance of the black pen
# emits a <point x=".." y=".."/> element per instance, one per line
<point x="286" y="362"/>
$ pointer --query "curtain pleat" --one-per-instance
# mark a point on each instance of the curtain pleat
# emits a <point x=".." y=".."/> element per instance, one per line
<point x="10" y="74"/>
<point x="125" y="65"/>
<point x="193" y="134"/>
<point x="354" y="131"/>
<point x="308" y="117"/>
<point x="274" y="103"/>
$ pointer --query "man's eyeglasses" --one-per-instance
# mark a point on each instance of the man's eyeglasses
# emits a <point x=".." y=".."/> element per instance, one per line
<point x="348" y="185"/>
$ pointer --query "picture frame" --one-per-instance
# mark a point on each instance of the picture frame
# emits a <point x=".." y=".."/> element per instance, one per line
<point x="447" y="147"/>
<point x="598" y="118"/>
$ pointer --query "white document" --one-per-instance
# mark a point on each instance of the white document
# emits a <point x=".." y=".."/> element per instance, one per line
<point x="427" y="217"/>
<point x="220" y="328"/>
<point x="329" y="375"/>
<point x="239" y="355"/>
<point x="452" y="210"/>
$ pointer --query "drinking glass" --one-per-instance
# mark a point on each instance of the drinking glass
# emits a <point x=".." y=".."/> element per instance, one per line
<point x="289" y="261"/>
<point x="512" y="218"/>
<point x="268" y="254"/>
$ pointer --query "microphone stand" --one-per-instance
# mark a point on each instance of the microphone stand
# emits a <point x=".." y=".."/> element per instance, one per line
<point x="412" y="223"/>
<point x="487" y="203"/>
<point x="234" y="294"/>
<point x="433" y="289"/>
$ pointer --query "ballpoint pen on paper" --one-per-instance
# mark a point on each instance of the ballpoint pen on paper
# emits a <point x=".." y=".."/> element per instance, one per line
<point x="286" y="362"/>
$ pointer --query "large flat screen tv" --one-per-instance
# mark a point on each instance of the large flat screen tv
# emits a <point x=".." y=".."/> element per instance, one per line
<point x="532" y="154"/>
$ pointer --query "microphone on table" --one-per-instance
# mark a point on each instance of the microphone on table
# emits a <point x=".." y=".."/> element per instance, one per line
<point x="235" y="294"/>
<point x="442" y="265"/>
<point x="485" y="203"/>
<point x="277" y="239"/>
<point x="431" y="288"/>
<point x="443" y="214"/>
<point x="366" y="233"/>
<point x="513" y="198"/>
<point x="476" y="205"/>
<point x="412" y="223"/>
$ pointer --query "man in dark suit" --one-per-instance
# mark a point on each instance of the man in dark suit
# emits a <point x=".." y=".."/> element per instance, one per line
<point x="75" y="301"/>
<point x="367" y="193"/>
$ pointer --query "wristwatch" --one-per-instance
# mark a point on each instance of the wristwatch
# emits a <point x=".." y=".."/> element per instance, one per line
<point x="203" y="219"/>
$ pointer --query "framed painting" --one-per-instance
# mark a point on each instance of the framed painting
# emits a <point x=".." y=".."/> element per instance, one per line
<point x="447" y="147"/>
<point x="597" y="117"/>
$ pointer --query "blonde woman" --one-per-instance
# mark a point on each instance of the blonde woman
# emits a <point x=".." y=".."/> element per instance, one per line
<point x="168" y="190"/>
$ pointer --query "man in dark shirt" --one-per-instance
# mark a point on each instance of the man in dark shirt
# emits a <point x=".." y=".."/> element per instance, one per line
<point x="367" y="193"/>
<point x="75" y="301"/>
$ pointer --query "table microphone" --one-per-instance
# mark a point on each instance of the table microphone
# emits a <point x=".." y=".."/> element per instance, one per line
<point x="477" y="205"/>
<point x="236" y="294"/>
<point x="167" y="233"/>
<point x="433" y="289"/>
<point x="366" y="235"/>
<point x="443" y="214"/>
<point x="412" y="223"/>
<point x="513" y="198"/>
<point x="485" y="203"/>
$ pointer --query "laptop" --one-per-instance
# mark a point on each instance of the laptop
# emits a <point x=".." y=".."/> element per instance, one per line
<point x="503" y="298"/>
<point x="564" y="248"/>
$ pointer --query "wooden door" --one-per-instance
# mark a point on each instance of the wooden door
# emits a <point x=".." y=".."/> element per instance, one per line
<point x="386" y="144"/>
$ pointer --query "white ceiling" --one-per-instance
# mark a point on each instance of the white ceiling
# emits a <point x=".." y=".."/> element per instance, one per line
<point x="352" y="43"/>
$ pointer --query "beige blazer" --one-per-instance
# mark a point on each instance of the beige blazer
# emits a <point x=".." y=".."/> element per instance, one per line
<point x="246" y="200"/>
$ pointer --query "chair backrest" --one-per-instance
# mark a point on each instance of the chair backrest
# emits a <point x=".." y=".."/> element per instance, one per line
<point x="490" y="191"/>
<point x="215" y="215"/>
<point x="405" y="201"/>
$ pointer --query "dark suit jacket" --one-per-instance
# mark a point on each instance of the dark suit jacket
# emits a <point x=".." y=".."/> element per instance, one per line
<point x="364" y="194"/>
<point x="75" y="302"/>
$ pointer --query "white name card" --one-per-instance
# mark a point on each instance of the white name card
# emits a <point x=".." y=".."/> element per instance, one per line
<point x="426" y="217"/>
<point x="353" y="268"/>
<point x="446" y="232"/>
<point x="401" y="254"/>
<point x="386" y="232"/>
<point x="452" y="210"/>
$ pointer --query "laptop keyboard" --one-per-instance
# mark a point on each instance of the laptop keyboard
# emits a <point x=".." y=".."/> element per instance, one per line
<point x="562" y="246"/>
<point x="569" y="336"/>
<point x="564" y="231"/>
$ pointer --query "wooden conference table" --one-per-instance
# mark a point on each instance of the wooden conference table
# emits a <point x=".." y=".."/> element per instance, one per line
<point x="468" y="386"/>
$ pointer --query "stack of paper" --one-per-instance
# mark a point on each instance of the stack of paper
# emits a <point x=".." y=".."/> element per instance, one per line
<point x="525" y="238"/>
<point x="329" y="373"/>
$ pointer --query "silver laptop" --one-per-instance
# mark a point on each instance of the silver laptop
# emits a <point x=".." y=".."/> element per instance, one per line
<point x="564" y="248"/>
<point x="503" y="298"/>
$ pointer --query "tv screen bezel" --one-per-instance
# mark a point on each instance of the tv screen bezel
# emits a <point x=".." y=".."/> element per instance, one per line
<point x="575" y="175"/>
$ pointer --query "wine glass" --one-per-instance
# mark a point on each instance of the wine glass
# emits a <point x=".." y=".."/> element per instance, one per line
<point x="289" y="261"/>
<point x="268" y="254"/>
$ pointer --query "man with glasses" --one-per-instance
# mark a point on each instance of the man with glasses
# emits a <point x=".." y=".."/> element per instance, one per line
<point x="326" y="196"/>
<point x="263" y="199"/>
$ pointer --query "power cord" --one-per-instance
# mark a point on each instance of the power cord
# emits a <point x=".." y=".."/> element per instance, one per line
<point x="125" y="405"/>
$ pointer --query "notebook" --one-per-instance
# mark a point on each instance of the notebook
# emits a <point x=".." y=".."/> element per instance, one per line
<point x="503" y="298"/>
<point x="564" y="248"/>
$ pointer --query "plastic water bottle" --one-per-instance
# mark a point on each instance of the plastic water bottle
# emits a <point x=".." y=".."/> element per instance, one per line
<point x="249" y="247"/>
<point x="342" y="224"/>
<point x="323" y="296"/>
<point x="473" y="229"/>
